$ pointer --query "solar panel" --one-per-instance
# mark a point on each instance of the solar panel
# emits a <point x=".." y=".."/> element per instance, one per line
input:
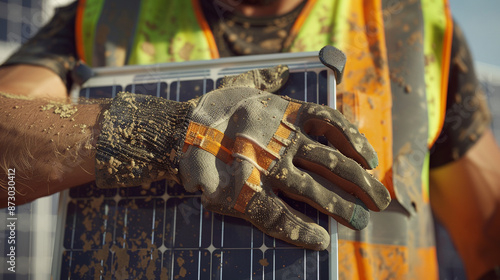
<point x="162" y="232"/>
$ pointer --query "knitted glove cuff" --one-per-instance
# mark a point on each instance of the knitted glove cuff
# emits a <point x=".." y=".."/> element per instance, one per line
<point x="141" y="140"/>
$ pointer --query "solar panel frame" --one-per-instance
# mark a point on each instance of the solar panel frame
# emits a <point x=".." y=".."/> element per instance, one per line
<point x="169" y="78"/>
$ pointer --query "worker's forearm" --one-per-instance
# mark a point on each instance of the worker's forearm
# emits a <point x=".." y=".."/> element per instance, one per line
<point x="32" y="82"/>
<point x="465" y="196"/>
<point x="50" y="145"/>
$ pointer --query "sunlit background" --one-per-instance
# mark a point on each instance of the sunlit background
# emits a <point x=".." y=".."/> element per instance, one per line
<point x="20" y="19"/>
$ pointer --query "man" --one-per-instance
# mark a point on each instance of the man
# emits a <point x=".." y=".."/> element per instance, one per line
<point x="391" y="60"/>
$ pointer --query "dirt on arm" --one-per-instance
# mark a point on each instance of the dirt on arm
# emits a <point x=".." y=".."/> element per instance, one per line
<point x="50" y="145"/>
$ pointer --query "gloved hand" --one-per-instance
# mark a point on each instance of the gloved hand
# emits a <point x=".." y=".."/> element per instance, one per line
<point x="240" y="144"/>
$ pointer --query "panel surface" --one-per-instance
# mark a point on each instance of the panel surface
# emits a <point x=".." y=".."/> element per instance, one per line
<point x="162" y="232"/>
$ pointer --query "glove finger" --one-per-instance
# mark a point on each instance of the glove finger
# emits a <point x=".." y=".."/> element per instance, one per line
<point x="267" y="79"/>
<point x="343" y="172"/>
<point x="325" y="196"/>
<point x="274" y="217"/>
<point x="318" y="120"/>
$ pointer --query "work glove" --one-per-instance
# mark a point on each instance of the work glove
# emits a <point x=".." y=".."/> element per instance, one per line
<point x="240" y="145"/>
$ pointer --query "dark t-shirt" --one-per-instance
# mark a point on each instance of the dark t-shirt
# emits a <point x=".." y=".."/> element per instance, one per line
<point x="467" y="115"/>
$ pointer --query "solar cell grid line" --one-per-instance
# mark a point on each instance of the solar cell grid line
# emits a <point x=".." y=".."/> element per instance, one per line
<point x="217" y="241"/>
<point x="173" y="240"/>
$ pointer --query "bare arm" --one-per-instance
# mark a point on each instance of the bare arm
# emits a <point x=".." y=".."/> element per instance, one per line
<point x="32" y="82"/>
<point x="465" y="196"/>
<point x="50" y="144"/>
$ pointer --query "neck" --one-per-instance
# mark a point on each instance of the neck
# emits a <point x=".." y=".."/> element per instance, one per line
<point x="248" y="9"/>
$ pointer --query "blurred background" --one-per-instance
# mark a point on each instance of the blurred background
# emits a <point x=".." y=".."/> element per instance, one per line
<point x="21" y="19"/>
<point x="481" y="24"/>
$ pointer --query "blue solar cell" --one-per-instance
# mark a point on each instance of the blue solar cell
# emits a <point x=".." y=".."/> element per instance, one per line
<point x="186" y="90"/>
<point x="155" y="89"/>
<point x="188" y="264"/>
<point x="169" y="229"/>
<point x="218" y="83"/>
<point x="167" y="265"/>
<point x="89" y="224"/>
<point x="84" y="92"/>
<point x="100" y="92"/>
<point x="232" y="232"/>
<point x="323" y="88"/>
<point x="140" y="223"/>
<point x="90" y="190"/>
<point x="238" y="264"/>
<point x="191" y="224"/>
<point x="317" y="265"/>
<point x="297" y="264"/>
<point x="85" y="265"/>
<point x="302" y="86"/>
<point x="320" y="218"/>
<point x="138" y="264"/>
<point x="154" y="189"/>
<point x="311" y="94"/>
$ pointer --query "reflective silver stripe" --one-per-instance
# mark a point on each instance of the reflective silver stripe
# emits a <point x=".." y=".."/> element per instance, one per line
<point x="395" y="226"/>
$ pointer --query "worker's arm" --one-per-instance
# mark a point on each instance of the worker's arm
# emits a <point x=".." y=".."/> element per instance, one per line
<point x="41" y="68"/>
<point x="465" y="196"/>
<point x="465" y="175"/>
<point x="49" y="149"/>
<point x="32" y="82"/>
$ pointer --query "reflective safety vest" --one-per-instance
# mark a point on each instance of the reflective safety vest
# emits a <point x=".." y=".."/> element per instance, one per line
<point x="394" y="89"/>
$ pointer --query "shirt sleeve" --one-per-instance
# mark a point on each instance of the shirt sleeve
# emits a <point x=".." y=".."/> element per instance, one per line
<point x="467" y="114"/>
<point x="53" y="46"/>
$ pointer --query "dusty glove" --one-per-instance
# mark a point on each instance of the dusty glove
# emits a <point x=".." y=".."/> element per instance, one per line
<point x="240" y="144"/>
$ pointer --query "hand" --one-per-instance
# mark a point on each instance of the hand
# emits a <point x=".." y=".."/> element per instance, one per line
<point x="262" y="145"/>
<point x="240" y="144"/>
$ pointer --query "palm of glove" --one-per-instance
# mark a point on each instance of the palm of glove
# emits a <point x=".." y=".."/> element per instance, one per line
<point x="243" y="144"/>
